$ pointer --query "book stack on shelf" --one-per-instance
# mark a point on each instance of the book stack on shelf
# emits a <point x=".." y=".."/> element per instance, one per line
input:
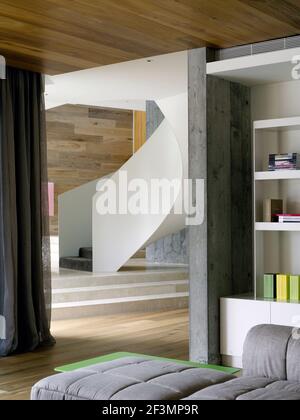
<point x="283" y="287"/>
<point x="286" y="218"/>
<point x="287" y="161"/>
<point x="272" y="207"/>
<point x="273" y="212"/>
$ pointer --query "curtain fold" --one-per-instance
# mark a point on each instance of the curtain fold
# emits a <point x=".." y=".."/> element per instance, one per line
<point x="25" y="273"/>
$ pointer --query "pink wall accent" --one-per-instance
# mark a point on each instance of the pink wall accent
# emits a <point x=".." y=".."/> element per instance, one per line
<point x="51" y="198"/>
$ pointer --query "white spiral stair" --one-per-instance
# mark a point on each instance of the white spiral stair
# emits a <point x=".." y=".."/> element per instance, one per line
<point x="117" y="237"/>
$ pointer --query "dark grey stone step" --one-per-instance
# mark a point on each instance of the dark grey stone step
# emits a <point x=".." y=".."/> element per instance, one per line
<point x="77" y="263"/>
<point x="86" y="253"/>
<point x="85" y="260"/>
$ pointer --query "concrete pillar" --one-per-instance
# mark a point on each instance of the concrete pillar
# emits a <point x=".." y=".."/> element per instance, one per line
<point x="219" y="149"/>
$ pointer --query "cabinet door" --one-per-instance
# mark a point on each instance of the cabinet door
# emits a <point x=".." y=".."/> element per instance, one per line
<point x="287" y="314"/>
<point x="238" y="316"/>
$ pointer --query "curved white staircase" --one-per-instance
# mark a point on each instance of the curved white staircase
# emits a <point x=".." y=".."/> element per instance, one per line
<point x="116" y="238"/>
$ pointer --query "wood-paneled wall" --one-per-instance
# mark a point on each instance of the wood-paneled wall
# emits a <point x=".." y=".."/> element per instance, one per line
<point x="85" y="144"/>
<point x="139" y="131"/>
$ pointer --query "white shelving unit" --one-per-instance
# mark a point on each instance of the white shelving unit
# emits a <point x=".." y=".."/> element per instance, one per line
<point x="276" y="245"/>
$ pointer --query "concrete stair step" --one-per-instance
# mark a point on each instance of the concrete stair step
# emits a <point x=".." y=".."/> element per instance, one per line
<point x="98" y="307"/>
<point x="118" y="291"/>
<point x="73" y="279"/>
<point x="140" y="254"/>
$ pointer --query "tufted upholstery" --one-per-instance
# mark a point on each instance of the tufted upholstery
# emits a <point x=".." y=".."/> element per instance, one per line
<point x="271" y="372"/>
<point x="128" y="379"/>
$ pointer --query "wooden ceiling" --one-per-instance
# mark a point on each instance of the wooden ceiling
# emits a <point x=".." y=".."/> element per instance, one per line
<point x="58" y="36"/>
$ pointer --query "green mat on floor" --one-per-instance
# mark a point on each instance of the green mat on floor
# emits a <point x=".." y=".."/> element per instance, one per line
<point x="115" y="356"/>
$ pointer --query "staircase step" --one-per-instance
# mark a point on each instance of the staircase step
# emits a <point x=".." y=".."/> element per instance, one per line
<point x="89" y="308"/>
<point x="72" y="279"/>
<point x="118" y="291"/>
<point x="76" y="263"/>
<point x="86" y="253"/>
<point x="85" y="260"/>
<point x="140" y="254"/>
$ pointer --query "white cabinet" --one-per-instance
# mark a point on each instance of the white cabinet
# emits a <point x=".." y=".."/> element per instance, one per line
<point x="285" y="314"/>
<point x="239" y="315"/>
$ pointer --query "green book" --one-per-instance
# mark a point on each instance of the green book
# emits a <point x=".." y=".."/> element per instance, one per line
<point x="270" y="286"/>
<point x="295" y="288"/>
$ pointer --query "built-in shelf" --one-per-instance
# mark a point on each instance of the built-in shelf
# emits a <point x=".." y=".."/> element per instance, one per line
<point x="281" y="123"/>
<point x="276" y="252"/>
<point x="279" y="227"/>
<point x="277" y="175"/>
<point x="256" y="69"/>
<point x="261" y="299"/>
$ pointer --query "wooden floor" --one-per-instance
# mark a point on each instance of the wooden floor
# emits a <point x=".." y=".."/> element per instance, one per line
<point x="160" y="334"/>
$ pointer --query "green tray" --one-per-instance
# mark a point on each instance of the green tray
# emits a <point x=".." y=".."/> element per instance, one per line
<point x="115" y="356"/>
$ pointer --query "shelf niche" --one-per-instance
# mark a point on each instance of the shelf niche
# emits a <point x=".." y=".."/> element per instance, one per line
<point x="277" y="245"/>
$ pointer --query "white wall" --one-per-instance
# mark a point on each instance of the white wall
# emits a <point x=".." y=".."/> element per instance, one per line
<point x="54" y="246"/>
<point x="75" y="219"/>
<point x="276" y="100"/>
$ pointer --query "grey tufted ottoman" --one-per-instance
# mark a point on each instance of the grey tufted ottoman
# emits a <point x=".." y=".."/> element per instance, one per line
<point x="128" y="379"/>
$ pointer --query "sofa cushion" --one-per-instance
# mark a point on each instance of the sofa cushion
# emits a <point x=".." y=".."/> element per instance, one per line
<point x="132" y="378"/>
<point x="281" y="390"/>
<point x="250" y="389"/>
<point x="231" y="390"/>
<point x="293" y="358"/>
<point x="265" y="351"/>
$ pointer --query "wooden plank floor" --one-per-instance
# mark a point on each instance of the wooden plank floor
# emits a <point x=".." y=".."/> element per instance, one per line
<point x="159" y="334"/>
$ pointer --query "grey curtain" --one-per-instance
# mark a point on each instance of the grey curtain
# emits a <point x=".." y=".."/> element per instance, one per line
<point x="25" y="276"/>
